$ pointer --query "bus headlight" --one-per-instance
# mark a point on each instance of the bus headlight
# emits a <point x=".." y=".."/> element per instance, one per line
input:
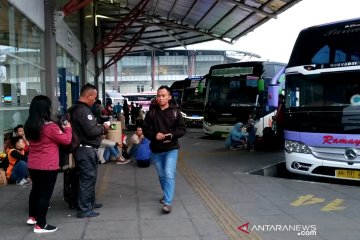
<point x="297" y="147"/>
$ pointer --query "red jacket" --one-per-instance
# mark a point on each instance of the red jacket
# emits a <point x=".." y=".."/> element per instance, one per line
<point x="44" y="153"/>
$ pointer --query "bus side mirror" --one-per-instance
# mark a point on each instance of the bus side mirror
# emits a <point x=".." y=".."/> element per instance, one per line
<point x="273" y="95"/>
<point x="261" y="85"/>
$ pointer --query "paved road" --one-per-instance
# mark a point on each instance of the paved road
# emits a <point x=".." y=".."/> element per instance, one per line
<point x="214" y="196"/>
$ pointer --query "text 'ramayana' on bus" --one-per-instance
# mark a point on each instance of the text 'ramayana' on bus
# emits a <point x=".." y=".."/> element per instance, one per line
<point x="322" y="89"/>
<point x="236" y="90"/>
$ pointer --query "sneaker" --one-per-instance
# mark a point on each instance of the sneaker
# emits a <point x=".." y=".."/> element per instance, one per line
<point x="31" y="221"/>
<point x="22" y="182"/>
<point x="90" y="214"/>
<point x="162" y="200"/>
<point x="46" y="229"/>
<point x="166" y="209"/>
<point x="123" y="161"/>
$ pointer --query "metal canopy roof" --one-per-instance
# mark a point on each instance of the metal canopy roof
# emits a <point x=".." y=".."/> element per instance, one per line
<point x="173" y="23"/>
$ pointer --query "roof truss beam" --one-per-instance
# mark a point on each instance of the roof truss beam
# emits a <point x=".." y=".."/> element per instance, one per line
<point x="74" y="5"/>
<point x="163" y="23"/>
<point x="188" y="12"/>
<point x="124" y="50"/>
<point x="172" y="25"/>
<point x="252" y="9"/>
<point x="121" y="27"/>
<point x="172" y="9"/>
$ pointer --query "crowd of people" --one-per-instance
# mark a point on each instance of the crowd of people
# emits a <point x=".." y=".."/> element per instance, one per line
<point x="34" y="150"/>
<point x="132" y="112"/>
<point x="35" y="159"/>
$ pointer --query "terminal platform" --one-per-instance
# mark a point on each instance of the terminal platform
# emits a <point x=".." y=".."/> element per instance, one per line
<point x="215" y="199"/>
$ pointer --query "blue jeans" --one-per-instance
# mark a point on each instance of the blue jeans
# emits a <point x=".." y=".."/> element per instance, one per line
<point x="111" y="151"/>
<point x="165" y="163"/>
<point x="19" y="172"/>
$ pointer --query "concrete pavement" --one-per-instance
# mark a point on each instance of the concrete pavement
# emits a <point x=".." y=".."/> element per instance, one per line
<point x="214" y="196"/>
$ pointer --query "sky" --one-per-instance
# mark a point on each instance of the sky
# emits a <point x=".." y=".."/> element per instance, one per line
<point x="274" y="39"/>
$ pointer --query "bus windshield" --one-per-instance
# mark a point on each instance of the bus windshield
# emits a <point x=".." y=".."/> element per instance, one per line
<point x="327" y="45"/>
<point x="322" y="90"/>
<point x="237" y="90"/>
<point x="323" y="102"/>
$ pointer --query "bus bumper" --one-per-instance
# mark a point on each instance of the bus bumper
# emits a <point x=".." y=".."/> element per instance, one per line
<point x="217" y="130"/>
<point x="307" y="164"/>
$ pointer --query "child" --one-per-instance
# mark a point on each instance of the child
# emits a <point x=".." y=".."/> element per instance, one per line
<point x="17" y="170"/>
<point x="19" y="131"/>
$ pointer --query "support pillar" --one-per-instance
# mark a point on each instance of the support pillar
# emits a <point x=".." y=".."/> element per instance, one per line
<point x="153" y="70"/>
<point x="49" y="86"/>
<point x="83" y="78"/>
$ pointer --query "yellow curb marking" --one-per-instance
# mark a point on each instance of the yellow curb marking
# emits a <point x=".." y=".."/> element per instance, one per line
<point x="334" y="205"/>
<point x="307" y="200"/>
<point x="311" y="199"/>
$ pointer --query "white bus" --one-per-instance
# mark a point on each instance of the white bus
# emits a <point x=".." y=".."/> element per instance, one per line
<point x="143" y="99"/>
<point x="235" y="90"/>
<point x="322" y="89"/>
<point x="114" y="97"/>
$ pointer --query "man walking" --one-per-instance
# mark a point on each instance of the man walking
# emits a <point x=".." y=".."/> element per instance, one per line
<point x="164" y="125"/>
<point x="89" y="133"/>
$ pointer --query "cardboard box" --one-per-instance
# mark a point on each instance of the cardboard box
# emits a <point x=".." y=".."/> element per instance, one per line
<point x="114" y="132"/>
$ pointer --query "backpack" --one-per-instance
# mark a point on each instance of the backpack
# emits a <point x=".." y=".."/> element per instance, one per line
<point x="143" y="151"/>
<point x="75" y="140"/>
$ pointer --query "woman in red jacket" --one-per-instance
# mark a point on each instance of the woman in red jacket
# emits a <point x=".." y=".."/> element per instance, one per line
<point x="44" y="138"/>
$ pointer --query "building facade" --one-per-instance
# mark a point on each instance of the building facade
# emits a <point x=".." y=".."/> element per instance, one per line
<point x="149" y="70"/>
<point x="40" y="53"/>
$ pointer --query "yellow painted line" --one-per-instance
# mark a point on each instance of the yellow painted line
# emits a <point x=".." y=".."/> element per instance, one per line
<point x="307" y="200"/>
<point x="334" y="205"/>
<point x="225" y="217"/>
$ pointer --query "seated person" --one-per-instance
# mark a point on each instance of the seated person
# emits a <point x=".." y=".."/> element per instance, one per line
<point x="238" y="136"/>
<point x="109" y="149"/>
<point x="124" y="147"/>
<point x="135" y="141"/>
<point x="19" y="131"/>
<point x="143" y="153"/>
<point x="17" y="171"/>
<point x="108" y="110"/>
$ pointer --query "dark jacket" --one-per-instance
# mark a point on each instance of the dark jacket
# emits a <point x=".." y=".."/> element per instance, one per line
<point x="165" y="121"/>
<point x="85" y="124"/>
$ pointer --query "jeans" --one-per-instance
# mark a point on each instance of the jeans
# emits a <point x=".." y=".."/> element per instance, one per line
<point x="165" y="163"/>
<point x="251" y="136"/>
<point x="111" y="151"/>
<point x="19" y="172"/>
